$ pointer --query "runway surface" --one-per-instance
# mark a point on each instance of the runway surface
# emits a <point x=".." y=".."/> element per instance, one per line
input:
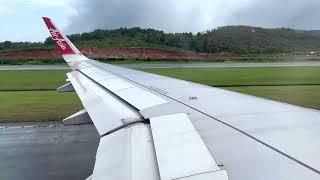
<point x="41" y="151"/>
<point x="170" y="65"/>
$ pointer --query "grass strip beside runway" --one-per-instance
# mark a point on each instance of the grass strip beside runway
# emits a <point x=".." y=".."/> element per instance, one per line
<point x="37" y="106"/>
<point x="12" y="80"/>
<point x="245" y="75"/>
<point x="294" y="85"/>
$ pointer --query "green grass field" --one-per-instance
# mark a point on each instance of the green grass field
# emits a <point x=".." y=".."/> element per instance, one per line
<point x="245" y="76"/>
<point x="31" y="96"/>
<point x="32" y="79"/>
<point x="37" y="106"/>
<point x="305" y="96"/>
<point x="294" y="85"/>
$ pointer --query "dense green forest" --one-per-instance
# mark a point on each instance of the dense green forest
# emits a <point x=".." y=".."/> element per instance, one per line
<point x="236" y="39"/>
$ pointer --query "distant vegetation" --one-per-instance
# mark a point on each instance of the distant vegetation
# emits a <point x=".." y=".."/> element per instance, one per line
<point x="8" y="45"/>
<point x="236" y="39"/>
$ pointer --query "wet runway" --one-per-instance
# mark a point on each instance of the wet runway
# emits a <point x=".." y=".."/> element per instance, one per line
<point x="47" y="152"/>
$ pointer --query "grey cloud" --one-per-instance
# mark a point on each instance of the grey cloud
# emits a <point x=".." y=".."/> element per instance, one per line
<point x="192" y="15"/>
<point x="297" y="14"/>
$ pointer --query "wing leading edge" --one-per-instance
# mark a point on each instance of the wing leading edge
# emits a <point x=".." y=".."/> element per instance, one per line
<point x="149" y="123"/>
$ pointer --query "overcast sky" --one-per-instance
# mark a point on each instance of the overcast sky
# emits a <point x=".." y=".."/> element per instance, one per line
<point x="21" y="19"/>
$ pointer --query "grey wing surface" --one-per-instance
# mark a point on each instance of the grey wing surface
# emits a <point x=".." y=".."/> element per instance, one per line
<point x="156" y="127"/>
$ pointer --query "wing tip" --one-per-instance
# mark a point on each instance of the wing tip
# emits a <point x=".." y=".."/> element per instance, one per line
<point x="61" y="41"/>
<point x="46" y="19"/>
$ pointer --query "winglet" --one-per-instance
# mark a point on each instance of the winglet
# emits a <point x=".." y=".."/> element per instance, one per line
<point x="64" y="45"/>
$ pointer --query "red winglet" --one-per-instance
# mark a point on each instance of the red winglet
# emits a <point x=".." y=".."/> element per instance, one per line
<point x="59" y="39"/>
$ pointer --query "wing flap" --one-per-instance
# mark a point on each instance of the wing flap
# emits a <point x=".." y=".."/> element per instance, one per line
<point x="126" y="154"/>
<point x="128" y="91"/>
<point x="107" y="111"/>
<point x="179" y="148"/>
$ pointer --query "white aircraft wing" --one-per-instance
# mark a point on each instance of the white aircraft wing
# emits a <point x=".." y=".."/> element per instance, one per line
<point x="156" y="127"/>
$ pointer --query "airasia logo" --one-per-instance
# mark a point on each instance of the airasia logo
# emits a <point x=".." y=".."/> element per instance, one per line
<point x="55" y="37"/>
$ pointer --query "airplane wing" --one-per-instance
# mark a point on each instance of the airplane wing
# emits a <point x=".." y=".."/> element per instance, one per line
<point x="156" y="127"/>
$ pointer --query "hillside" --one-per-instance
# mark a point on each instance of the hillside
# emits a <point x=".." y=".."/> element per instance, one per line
<point x="235" y="39"/>
<point x="115" y="53"/>
<point x="244" y="39"/>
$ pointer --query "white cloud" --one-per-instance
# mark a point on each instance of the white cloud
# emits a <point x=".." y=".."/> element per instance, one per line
<point x="49" y="3"/>
<point x="9" y="6"/>
<point x="18" y="14"/>
<point x="5" y="8"/>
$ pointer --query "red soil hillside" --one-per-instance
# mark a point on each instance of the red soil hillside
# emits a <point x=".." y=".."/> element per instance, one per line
<point x="115" y="53"/>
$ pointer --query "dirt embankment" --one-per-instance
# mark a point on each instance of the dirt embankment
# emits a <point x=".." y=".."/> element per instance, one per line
<point x="116" y="53"/>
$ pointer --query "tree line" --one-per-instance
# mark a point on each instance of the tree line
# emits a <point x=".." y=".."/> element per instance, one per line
<point x="236" y="39"/>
